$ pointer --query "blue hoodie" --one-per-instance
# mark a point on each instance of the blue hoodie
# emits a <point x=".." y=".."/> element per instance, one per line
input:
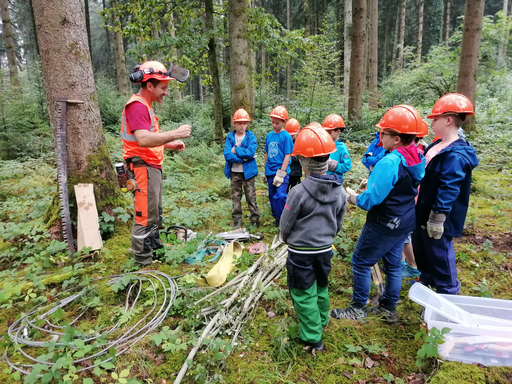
<point x="244" y="154"/>
<point x="391" y="190"/>
<point x="374" y="153"/>
<point x="447" y="186"/>
<point x="342" y="157"/>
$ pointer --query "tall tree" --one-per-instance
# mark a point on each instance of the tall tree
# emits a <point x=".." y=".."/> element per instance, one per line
<point x="502" y="49"/>
<point x="446" y="21"/>
<point x="10" y="48"/>
<point x="347" y="49"/>
<point x="338" y="8"/>
<point x="373" y="52"/>
<point x="401" y="37"/>
<point x="239" y="57"/>
<point x="122" y="76"/>
<point x="419" y="40"/>
<point x="67" y="72"/>
<point x="470" y="48"/>
<point x="88" y="25"/>
<point x="214" y="69"/>
<point x="357" y="75"/>
<point x="289" y="62"/>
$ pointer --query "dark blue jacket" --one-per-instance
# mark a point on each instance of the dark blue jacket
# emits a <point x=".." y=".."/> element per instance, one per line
<point x="295" y="167"/>
<point x="374" y="153"/>
<point x="244" y="154"/>
<point x="447" y="185"/>
<point x="391" y="190"/>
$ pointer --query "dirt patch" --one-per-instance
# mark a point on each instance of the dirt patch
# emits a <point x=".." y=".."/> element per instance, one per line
<point x="501" y="242"/>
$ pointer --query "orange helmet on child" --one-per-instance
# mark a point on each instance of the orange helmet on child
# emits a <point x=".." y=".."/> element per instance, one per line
<point x="292" y="126"/>
<point x="452" y="103"/>
<point x="313" y="142"/>
<point x="402" y="119"/>
<point x="314" y="124"/>
<point x="424" y="131"/>
<point x="279" y="112"/>
<point x="241" y="116"/>
<point x="333" y="121"/>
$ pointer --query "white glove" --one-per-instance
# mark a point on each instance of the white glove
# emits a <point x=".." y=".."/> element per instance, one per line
<point x="435" y="225"/>
<point x="351" y="196"/>
<point x="279" y="178"/>
<point x="331" y="165"/>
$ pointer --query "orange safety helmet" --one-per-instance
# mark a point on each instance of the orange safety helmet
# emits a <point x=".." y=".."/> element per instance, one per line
<point x="292" y="126"/>
<point x="313" y="142"/>
<point x="454" y="103"/>
<point x="314" y="124"/>
<point x="402" y="119"/>
<point x="279" y="112"/>
<point x="241" y="116"/>
<point x="424" y="131"/>
<point x="149" y="70"/>
<point x="333" y="121"/>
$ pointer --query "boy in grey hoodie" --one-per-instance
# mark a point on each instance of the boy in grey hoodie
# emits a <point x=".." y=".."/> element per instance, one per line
<point x="312" y="217"/>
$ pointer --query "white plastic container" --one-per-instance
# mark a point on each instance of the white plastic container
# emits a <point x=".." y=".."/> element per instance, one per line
<point x="481" y="328"/>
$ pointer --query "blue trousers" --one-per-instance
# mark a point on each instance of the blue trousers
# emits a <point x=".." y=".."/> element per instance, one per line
<point x="371" y="247"/>
<point x="436" y="262"/>
<point x="277" y="196"/>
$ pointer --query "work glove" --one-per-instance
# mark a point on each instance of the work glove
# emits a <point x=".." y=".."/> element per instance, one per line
<point x="435" y="225"/>
<point x="351" y="196"/>
<point x="362" y="185"/>
<point x="331" y="165"/>
<point x="279" y="178"/>
<point x="264" y="178"/>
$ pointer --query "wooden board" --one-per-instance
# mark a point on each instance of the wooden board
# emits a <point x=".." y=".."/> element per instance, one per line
<point x="88" y="228"/>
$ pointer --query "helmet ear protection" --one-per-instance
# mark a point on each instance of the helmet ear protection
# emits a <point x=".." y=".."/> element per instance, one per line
<point x="178" y="73"/>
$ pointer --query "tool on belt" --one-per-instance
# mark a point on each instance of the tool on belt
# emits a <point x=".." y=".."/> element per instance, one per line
<point x="61" y="154"/>
<point x="125" y="174"/>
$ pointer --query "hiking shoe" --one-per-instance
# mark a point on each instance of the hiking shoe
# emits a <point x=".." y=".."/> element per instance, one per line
<point x="351" y="313"/>
<point x="409" y="272"/>
<point x="389" y="315"/>
<point x="314" y="349"/>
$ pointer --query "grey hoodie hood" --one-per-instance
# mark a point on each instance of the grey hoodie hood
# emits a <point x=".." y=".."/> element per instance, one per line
<point x="323" y="188"/>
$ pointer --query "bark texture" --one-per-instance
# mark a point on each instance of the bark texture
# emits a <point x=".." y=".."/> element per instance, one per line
<point x="446" y="21"/>
<point x="373" y="52"/>
<point x="122" y="75"/>
<point x="347" y="49"/>
<point x="9" y="46"/>
<point x="419" y="40"/>
<point x="401" y="37"/>
<point x="502" y="49"/>
<point x="357" y="75"/>
<point x="289" y="63"/>
<point x="239" y="57"/>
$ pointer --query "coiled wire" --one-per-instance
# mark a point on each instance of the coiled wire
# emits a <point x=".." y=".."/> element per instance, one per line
<point x="21" y="329"/>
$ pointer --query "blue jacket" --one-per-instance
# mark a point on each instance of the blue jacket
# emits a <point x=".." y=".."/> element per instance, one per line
<point x="295" y="167"/>
<point x="342" y="157"/>
<point x="244" y="154"/>
<point x="391" y="190"/>
<point x="374" y="153"/>
<point x="447" y="185"/>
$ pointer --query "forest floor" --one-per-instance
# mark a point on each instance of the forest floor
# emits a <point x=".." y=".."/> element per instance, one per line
<point x="197" y="196"/>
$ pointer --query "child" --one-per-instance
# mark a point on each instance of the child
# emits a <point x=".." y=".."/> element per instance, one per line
<point x="374" y="153"/>
<point x="278" y="149"/>
<point x="241" y="168"/>
<point x="389" y="200"/>
<point x="312" y="217"/>
<point x="339" y="161"/>
<point x="293" y="127"/>
<point x="444" y="195"/>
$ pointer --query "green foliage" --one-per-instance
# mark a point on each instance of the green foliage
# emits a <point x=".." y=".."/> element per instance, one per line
<point x="430" y="345"/>
<point x="111" y="103"/>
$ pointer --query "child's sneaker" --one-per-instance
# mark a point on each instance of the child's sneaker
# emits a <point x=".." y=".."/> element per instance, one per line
<point x="351" y="313"/>
<point x="409" y="272"/>
<point x="389" y="315"/>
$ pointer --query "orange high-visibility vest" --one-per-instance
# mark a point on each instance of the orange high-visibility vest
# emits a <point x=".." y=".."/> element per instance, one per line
<point x="154" y="155"/>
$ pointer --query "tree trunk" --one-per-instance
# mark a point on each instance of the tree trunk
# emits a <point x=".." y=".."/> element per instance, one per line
<point x="9" y="46"/>
<point x="307" y="18"/>
<point x="67" y="72"/>
<point x="338" y="7"/>
<point x="470" y="48"/>
<point x="289" y="63"/>
<point x="446" y="21"/>
<point x="88" y="25"/>
<point x="395" y="39"/>
<point x="384" y="62"/>
<point x="263" y="65"/>
<point x="356" y="87"/>
<point x="107" y="35"/>
<point x="419" y="40"/>
<point x="502" y="49"/>
<point x="122" y="76"/>
<point x="401" y="37"/>
<point x="214" y="69"/>
<point x="347" y="51"/>
<point x="373" y="53"/>
<point x="239" y="56"/>
<point x="36" y="46"/>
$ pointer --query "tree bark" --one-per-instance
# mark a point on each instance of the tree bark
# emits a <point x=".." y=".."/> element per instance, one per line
<point x="395" y="39"/>
<point x="419" y="40"/>
<point x="88" y="25"/>
<point x="107" y="35"/>
<point x="307" y="18"/>
<point x="357" y="78"/>
<point x="373" y="53"/>
<point x="122" y="75"/>
<point x="67" y="73"/>
<point x="289" y="63"/>
<point x="214" y="69"/>
<point x="446" y="21"/>
<point x="347" y="51"/>
<point x="338" y="8"/>
<point x="9" y="46"/>
<point x="502" y="49"/>
<point x="239" y="56"/>
<point x="470" y="48"/>
<point x="401" y="37"/>
<point x="36" y="46"/>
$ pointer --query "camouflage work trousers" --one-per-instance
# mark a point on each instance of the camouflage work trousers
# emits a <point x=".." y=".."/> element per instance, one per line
<point x="238" y="182"/>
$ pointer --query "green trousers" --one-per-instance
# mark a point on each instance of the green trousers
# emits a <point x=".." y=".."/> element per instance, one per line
<point x="312" y="307"/>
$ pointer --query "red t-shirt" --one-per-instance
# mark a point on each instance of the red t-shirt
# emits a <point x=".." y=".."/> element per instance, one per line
<point x="137" y="117"/>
